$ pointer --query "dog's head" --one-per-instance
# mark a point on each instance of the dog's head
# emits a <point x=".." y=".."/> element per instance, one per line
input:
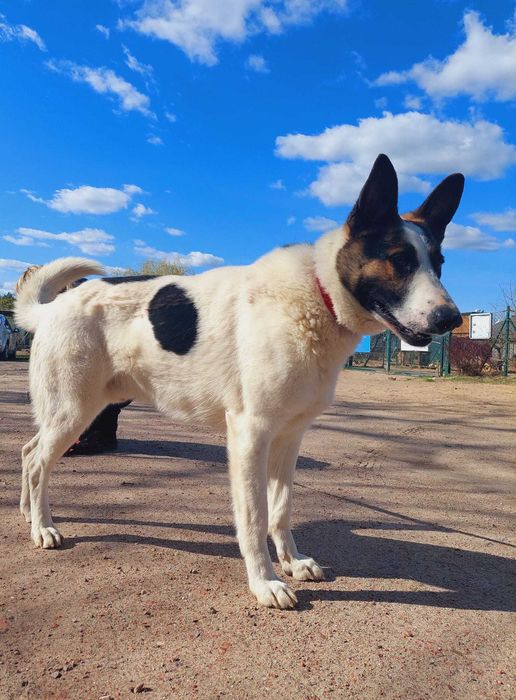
<point x="391" y="264"/>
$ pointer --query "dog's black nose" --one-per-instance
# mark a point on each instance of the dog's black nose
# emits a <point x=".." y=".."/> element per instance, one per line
<point x="444" y="318"/>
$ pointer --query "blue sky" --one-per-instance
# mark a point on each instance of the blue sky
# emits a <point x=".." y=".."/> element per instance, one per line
<point x="215" y="131"/>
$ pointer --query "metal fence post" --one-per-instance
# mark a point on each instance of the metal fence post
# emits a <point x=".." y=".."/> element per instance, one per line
<point x="507" y="341"/>
<point x="388" y="338"/>
<point x="441" y="356"/>
<point x="446" y="363"/>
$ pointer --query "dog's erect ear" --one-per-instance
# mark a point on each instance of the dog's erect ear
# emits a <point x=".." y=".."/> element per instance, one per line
<point x="377" y="203"/>
<point x="441" y="204"/>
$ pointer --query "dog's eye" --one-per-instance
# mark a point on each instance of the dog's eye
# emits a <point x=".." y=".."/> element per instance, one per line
<point x="405" y="262"/>
<point x="437" y="263"/>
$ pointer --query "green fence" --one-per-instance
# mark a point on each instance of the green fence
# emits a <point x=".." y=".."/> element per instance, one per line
<point x="504" y="342"/>
<point x="386" y="354"/>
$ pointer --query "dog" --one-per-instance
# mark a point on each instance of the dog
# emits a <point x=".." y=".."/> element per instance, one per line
<point x="254" y="349"/>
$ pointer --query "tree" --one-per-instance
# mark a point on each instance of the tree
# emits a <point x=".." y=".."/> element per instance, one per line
<point x="7" y="303"/>
<point x="157" y="267"/>
<point x="509" y="295"/>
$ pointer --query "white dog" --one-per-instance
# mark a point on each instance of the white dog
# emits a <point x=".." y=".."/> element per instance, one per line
<point x="256" y="348"/>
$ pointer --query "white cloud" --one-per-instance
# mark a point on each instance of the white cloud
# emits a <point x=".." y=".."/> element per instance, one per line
<point x="291" y="220"/>
<point x="106" y="82"/>
<point x="103" y="30"/>
<point x="131" y="62"/>
<point x="93" y="241"/>
<point x="114" y="270"/>
<point x="460" y="237"/>
<point x="257" y="63"/>
<point x="141" y="210"/>
<point x="319" y="223"/>
<point x="277" y="185"/>
<point x="7" y="287"/>
<point x="381" y="102"/>
<point x="198" y="26"/>
<point x="270" y="20"/>
<point x="483" y="66"/>
<point x="359" y="62"/>
<point x="175" y="231"/>
<point x="89" y="200"/>
<point x="302" y="11"/>
<point x="155" y="140"/>
<point x="502" y="221"/>
<point x="193" y="259"/>
<point x="392" y="77"/>
<point x="25" y="241"/>
<point x="412" y="102"/>
<point x="417" y="143"/>
<point x="133" y="189"/>
<point x="20" y="32"/>
<point x="170" y="117"/>
<point x="340" y="183"/>
<point x="17" y="265"/>
<point x="32" y="196"/>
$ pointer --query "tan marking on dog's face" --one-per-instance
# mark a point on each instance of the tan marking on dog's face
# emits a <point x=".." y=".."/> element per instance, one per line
<point x="383" y="269"/>
<point x="346" y="232"/>
<point x="381" y="260"/>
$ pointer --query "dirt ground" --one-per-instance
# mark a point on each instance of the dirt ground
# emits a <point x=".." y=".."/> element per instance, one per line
<point x="403" y="492"/>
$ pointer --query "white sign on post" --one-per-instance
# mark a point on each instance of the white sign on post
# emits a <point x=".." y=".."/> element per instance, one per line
<point x="480" y="326"/>
<point x="406" y="347"/>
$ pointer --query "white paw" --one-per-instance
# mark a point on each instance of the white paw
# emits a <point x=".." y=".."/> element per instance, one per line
<point x="46" y="537"/>
<point x="305" y="569"/>
<point x="274" y="594"/>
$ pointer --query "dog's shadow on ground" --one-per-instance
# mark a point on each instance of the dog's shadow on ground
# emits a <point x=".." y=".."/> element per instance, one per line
<point x="468" y="580"/>
<point x="196" y="451"/>
<point x="462" y="579"/>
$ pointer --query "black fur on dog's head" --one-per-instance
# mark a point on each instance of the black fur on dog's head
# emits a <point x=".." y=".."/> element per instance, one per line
<point x="391" y="264"/>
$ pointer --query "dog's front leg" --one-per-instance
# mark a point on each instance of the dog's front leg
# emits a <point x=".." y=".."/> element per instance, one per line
<point x="248" y="449"/>
<point x="282" y="465"/>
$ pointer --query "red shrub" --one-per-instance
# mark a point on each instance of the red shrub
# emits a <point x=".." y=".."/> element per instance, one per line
<point x="469" y="356"/>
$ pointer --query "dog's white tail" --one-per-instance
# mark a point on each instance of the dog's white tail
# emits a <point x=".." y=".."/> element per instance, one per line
<point x="41" y="285"/>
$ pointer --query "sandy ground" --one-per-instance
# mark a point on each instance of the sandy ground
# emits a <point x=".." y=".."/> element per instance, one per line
<point x="403" y="491"/>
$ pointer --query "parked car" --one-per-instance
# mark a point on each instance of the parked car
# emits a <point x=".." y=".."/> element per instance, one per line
<point x="7" y="339"/>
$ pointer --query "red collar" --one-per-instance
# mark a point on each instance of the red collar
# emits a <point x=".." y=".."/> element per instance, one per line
<point x="326" y="298"/>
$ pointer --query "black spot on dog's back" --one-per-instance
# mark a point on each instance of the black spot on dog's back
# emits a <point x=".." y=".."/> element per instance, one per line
<point x="130" y="278"/>
<point x="174" y="319"/>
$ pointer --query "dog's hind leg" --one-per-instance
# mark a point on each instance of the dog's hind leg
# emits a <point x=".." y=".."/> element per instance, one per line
<point x="282" y="464"/>
<point x="27" y="453"/>
<point x="57" y="433"/>
<point x="248" y="447"/>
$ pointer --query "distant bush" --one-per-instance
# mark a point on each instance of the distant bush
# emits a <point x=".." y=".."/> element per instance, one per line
<point x="6" y="303"/>
<point x="469" y="356"/>
<point x="158" y="267"/>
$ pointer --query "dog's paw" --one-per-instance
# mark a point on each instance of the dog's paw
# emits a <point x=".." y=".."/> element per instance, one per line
<point x="303" y="569"/>
<point x="46" y="537"/>
<point x="274" y="594"/>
